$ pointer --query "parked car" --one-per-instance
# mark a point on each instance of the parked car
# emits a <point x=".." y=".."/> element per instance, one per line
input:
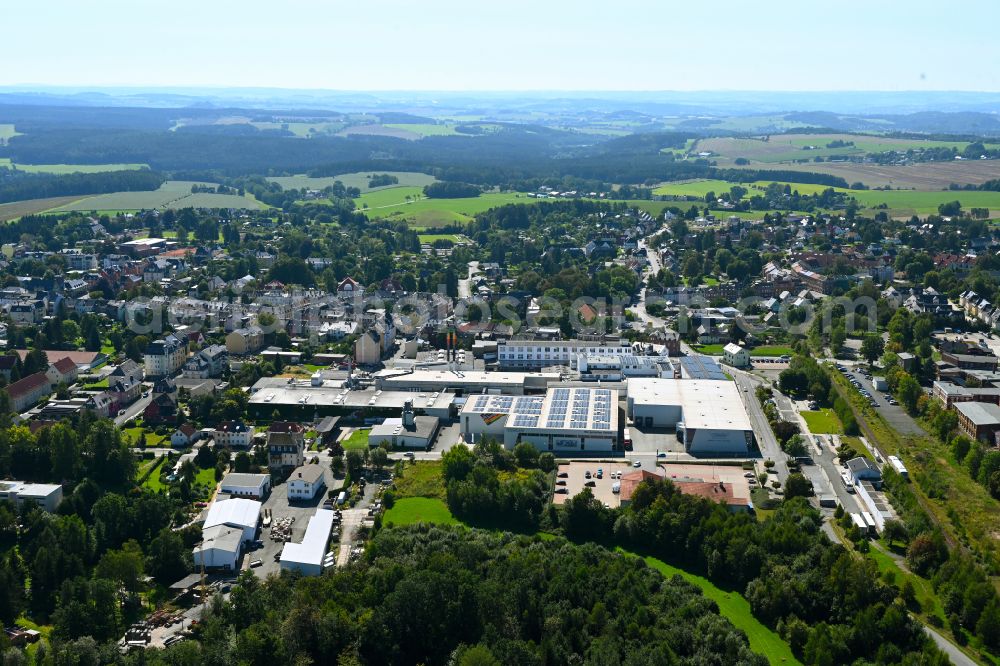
<point x="255" y="563"/>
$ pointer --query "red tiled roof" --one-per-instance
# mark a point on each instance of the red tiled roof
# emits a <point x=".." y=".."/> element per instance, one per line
<point x="65" y="365"/>
<point x="53" y="355"/>
<point x="285" y="426"/>
<point x="631" y="481"/>
<point x="713" y="490"/>
<point x="28" y="384"/>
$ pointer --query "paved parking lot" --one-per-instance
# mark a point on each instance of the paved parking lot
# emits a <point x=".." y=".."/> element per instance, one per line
<point x="575" y="480"/>
<point x="895" y="415"/>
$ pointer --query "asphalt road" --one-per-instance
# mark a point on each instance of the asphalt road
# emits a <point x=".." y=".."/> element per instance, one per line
<point x="894" y="414"/>
<point x="769" y="446"/>
<point x="133" y="410"/>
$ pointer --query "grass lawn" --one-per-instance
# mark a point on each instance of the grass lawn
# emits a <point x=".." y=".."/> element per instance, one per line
<point x="709" y="350"/>
<point x="205" y="477"/>
<point x="421" y="479"/>
<point x="358" y="440"/>
<point x="430" y="238"/>
<point x="759" y="496"/>
<point x="153" y="482"/>
<point x="152" y="439"/>
<point x="98" y="385"/>
<point x="929" y="602"/>
<point x="734" y="607"/>
<point x="771" y="350"/>
<point x="823" y="422"/>
<point x="410" y="510"/>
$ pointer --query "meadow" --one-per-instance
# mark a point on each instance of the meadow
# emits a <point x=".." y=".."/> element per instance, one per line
<point x="7" y="131"/>
<point x="792" y="147"/>
<point x="60" y="169"/>
<point x="426" y="129"/>
<point x="357" y="179"/>
<point x="410" y="510"/>
<point x="823" y="422"/>
<point x="898" y="202"/>
<point x="172" y="194"/>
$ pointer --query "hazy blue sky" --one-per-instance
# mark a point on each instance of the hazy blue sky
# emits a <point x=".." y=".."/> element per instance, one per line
<point x="506" y="45"/>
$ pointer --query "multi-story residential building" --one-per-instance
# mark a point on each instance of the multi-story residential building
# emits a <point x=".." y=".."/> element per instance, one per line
<point x="234" y="434"/>
<point x="164" y="357"/>
<point x="286" y="445"/>
<point x="63" y="371"/>
<point x="305" y="482"/>
<point x="78" y="260"/>
<point x="27" y="391"/>
<point x="209" y="362"/>
<point x="243" y="341"/>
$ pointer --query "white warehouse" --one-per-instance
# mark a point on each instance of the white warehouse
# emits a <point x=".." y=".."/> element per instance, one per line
<point x="709" y="416"/>
<point x="307" y="556"/>
<point x="564" y="421"/>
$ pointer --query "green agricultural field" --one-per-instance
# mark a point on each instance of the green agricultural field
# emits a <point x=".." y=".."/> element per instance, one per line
<point x="430" y="213"/>
<point x="410" y="510"/>
<point x="426" y="129"/>
<point x="734" y="607"/>
<point x="898" y="202"/>
<point x="357" y="179"/>
<point x="304" y="130"/>
<point x="823" y="422"/>
<point x="795" y="147"/>
<point x="172" y="194"/>
<point x="61" y="169"/>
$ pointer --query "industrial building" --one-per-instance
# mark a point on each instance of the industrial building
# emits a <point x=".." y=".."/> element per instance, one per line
<point x="708" y="416"/>
<point x="253" y="486"/>
<point x="537" y="353"/>
<point x="243" y="514"/>
<point x="408" y="432"/>
<point x="564" y="421"/>
<point x="310" y="399"/>
<point x="220" y="547"/>
<point x="465" y="382"/>
<point x="307" y="556"/>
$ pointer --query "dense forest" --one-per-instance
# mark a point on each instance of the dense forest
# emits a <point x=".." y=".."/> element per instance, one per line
<point x="454" y="596"/>
<point x="19" y="185"/>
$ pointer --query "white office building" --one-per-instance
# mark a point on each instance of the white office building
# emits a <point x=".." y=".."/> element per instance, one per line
<point x="707" y="415"/>
<point x="523" y="354"/>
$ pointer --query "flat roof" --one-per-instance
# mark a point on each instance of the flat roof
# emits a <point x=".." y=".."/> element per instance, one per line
<point x="462" y="377"/>
<point x="423" y="426"/>
<point x="561" y="408"/>
<point x="277" y="391"/>
<point x="980" y="413"/>
<point x="312" y="548"/>
<point x="29" y="489"/>
<point x="705" y="403"/>
<point x="701" y="367"/>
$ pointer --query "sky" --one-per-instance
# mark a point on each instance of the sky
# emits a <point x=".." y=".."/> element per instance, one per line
<point x="505" y="45"/>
